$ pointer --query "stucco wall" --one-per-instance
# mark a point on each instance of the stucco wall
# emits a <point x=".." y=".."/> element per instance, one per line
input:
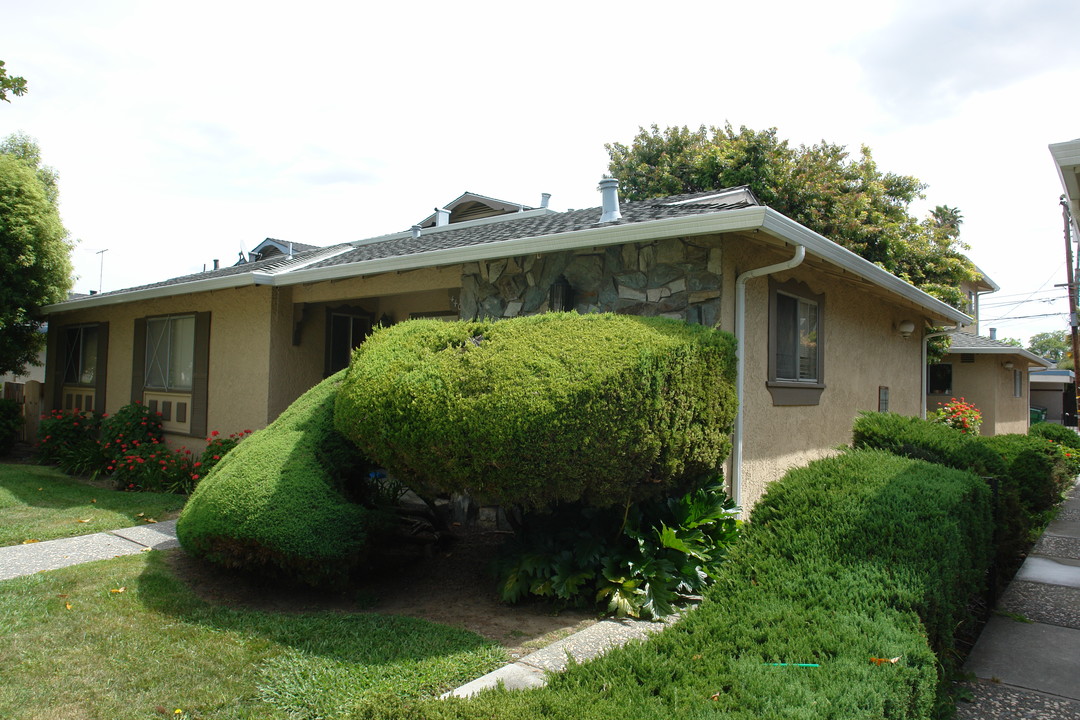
<point x="989" y="386"/>
<point x="863" y="351"/>
<point x="239" y="352"/>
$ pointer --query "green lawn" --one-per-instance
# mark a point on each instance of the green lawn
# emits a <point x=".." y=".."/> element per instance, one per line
<point x="41" y="503"/>
<point x="72" y="646"/>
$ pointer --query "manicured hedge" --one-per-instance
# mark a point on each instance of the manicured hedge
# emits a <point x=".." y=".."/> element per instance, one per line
<point x="537" y="410"/>
<point x="1028" y="473"/>
<point x="862" y="556"/>
<point x="1036" y="466"/>
<point x="281" y="501"/>
<point x="1064" y="436"/>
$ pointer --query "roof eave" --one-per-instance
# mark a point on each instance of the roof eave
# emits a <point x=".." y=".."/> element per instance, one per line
<point x="1032" y="359"/>
<point x="186" y="288"/>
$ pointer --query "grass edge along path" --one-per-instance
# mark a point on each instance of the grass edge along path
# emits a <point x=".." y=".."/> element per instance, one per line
<point x="125" y="639"/>
<point x="39" y="503"/>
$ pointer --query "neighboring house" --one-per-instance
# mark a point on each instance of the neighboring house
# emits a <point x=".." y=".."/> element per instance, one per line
<point x="991" y="374"/>
<point x="1054" y="392"/>
<point x="823" y="333"/>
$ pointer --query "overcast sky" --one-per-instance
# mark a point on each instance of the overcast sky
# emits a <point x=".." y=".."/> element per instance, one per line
<point x="188" y="132"/>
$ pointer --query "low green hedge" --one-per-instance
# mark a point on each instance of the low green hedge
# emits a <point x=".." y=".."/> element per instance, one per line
<point x="1036" y="466"/>
<point x="551" y="408"/>
<point x="1067" y="437"/>
<point x="1027" y="472"/>
<point x="286" y="501"/>
<point x="862" y="556"/>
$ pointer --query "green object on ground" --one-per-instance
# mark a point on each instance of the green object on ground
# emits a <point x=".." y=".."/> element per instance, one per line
<point x="546" y="409"/>
<point x="281" y="501"/>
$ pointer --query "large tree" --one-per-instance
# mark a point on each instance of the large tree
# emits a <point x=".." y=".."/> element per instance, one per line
<point x="35" y="254"/>
<point x="847" y="199"/>
<point x="1054" y="346"/>
<point x="10" y="84"/>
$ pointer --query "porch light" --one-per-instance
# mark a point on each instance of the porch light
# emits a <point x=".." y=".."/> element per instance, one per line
<point x="905" y="328"/>
<point x="1008" y="365"/>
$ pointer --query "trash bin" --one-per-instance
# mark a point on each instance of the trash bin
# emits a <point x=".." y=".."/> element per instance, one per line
<point x="1038" y="414"/>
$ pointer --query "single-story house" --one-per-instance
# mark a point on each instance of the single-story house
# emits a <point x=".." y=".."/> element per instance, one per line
<point x="1053" y="392"/>
<point x="991" y="374"/>
<point x="823" y="333"/>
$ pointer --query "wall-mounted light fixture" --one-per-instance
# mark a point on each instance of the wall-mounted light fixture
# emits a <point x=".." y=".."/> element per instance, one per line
<point x="1008" y="365"/>
<point x="905" y="328"/>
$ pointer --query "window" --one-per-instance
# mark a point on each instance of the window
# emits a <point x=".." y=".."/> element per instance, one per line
<point x="170" y="353"/>
<point x="346" y="328"/>
<point x="80" y="355"/>
<point x="81" y="352"/>
<point x="939" y="379"/>
<point x="796" y="344"/>
<point x="170" y="369"/>
<point x="1018" y="383"/>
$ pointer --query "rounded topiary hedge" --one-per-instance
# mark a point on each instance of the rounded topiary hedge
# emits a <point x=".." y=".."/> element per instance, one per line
<point x="278" y="502"/>
<point x="536" y="410"/>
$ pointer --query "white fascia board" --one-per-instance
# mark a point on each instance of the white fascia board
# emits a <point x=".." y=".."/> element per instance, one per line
<point x="1067" y="160"/>
<point x="826" y="249"/>
<point x="186" y="288"/>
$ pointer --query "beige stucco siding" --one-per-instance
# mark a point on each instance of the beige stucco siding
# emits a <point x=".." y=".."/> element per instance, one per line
<point x="239" y="352"/>
<point x="863" y="352"/>
<point x="987" y="384"/>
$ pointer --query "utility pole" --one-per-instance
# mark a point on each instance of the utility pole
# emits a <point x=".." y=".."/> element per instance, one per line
<point x="101" y="271"/>
<point x="1073" y="320"/>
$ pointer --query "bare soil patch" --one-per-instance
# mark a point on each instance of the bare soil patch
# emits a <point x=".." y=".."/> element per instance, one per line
<point x="451" y="585"/>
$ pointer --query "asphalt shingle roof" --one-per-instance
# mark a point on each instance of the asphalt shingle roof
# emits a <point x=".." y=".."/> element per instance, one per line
<point x="450" y="237"/>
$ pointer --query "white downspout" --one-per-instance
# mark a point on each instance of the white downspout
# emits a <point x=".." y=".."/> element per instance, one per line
<point x="740" y="361"/>
<point x="925" y="369"/>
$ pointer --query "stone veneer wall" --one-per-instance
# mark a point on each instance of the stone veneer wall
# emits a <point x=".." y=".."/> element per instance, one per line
<point x="678" y="278"/>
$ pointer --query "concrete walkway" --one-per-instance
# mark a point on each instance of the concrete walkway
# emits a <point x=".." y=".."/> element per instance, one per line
<point x="28" y="559"/>
<point x="1027" y="659"/>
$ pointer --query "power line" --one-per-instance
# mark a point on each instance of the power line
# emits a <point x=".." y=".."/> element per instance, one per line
<point x="1025" y="317"/>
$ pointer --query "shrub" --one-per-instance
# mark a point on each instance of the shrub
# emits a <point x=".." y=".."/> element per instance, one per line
<point x="68" y="438"/>
<point x="846" y="564"/>
<point x="131" y="426"/>
<point x="639" y="561"/>
<point x="277" y="504"/>
<point x="602" y="409"/>
<point x="923" y="440"/>
<point x="1037" y="468"/>
<point x="1026" y="472"/>
<point x="1067" y="438"/>
<point x="1056" y="433"/>
<point x="10" y="422"/>
<point x="959" y="415"/>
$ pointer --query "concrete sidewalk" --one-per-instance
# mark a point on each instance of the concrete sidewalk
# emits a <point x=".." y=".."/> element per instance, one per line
<point x="1027" y="659"/>
<point x="28" y="559"/>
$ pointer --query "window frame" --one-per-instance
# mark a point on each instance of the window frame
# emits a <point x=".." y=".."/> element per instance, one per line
<point x="199" y="392"/>
<point x="929" y="387"/>
<point x="168" y="336"/>
<point x="58" y="349"/>
<point x="355" y="314"/>
<point x="790" y="391"/>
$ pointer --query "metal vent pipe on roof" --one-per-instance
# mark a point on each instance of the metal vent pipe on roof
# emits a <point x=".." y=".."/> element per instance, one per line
<point x="545" y="199"/>
<point x="216" y="265"/>
<point x="609" y="189"/>
<point x="415" y="231"/>
<point x="442" y="217"/>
